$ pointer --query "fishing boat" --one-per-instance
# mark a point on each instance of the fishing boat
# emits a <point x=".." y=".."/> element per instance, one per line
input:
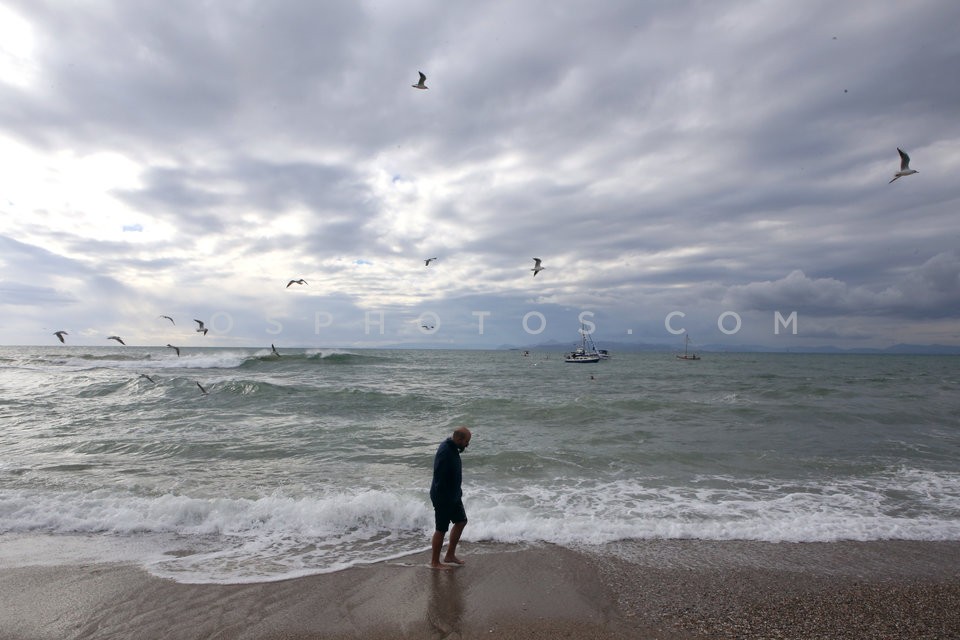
<point x="586" y="351"/>
<point x="687" y="354"/>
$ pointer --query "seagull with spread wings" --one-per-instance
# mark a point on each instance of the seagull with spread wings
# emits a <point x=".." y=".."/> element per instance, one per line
<point x="536" y="267"/>
<point x="60" y="335"/>
<point x="905" y="169"/>
<point x="300" y="281"/>
<point x="423" y="82"/>
<point x="118" y="339"/>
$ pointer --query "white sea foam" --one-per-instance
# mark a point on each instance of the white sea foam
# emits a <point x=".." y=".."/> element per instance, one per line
<point x="326" y="353"/>
<point x="193" y="360"/>
<point x="278" y="536"/>
<point x="107" y="512"/>
<point x="138" y="359"/>
<point x="854" y="511"/>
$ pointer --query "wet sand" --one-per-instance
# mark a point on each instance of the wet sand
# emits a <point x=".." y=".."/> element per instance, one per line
<point x="657" y="589"/>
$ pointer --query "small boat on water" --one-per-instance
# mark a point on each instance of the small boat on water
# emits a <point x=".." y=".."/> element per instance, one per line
<point x="586" y="351"/>
<point x="687" y="354"/>
<point x="581" y="355"/>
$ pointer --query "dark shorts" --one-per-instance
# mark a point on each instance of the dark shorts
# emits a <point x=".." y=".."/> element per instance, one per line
<point x="447" y="513"/>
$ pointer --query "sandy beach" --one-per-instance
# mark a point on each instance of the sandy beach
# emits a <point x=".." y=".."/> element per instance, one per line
<point x="655" y="589"/>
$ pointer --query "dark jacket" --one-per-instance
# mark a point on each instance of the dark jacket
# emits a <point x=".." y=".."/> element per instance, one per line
<point x="447" y="474"/>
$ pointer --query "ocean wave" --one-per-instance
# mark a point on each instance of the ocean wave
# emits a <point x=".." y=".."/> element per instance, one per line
<point x="279" y="536"/>
<point x="112" y="357"/>
<point x="189" y="358"/>
<point x="899" y="504"/>
<point x="311" y="356"/>
<point x="234" y="539"/>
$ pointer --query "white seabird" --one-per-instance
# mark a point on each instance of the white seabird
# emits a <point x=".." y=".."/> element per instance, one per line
<point x="905" y="169"/>
<point x="422" y="83"/>
<point x="202" y="329"/>
<point x="177" y="349"/>
<point x="300" y="281"/>
<point x="169" y="318"/>
<point x="536" y="267"/>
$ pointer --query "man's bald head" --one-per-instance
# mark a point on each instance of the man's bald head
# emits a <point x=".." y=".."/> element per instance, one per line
<point x="461" y="437"/>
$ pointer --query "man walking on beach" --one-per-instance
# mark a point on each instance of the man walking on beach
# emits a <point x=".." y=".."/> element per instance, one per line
<point x="446" y="496"/>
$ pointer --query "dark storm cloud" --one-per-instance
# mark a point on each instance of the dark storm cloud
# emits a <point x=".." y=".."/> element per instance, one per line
<point x="18" y="293"/>
<point x="48" y="289"/>
<point x="25" y="258"/>
<point x="210" y="200"/>
<point x="930" y="291"/>
<point x="126" y="74"/>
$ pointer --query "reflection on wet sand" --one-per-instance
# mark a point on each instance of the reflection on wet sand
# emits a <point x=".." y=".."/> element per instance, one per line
<point x="445" y="608"/>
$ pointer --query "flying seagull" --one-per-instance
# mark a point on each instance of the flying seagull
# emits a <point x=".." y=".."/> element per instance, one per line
<point x="169" y="318"/>
<point x="427" y="262"/>
<point x="202" y="329"/>
<point x="201" y="388"/>
<point x="300" y="281"/>
<point x="117" y="338"/>
<point x="422" y="84"/>
<point x="143" y="375"/>
<point x="60" y="335"/>
<point x="536" y="267"/>
<point x="177" y="349"/>
<point x="905" y="169"/>
<point x="274" y="349"/>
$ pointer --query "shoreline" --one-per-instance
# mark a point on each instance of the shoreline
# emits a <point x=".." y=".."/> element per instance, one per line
<point x="666" y="589"/>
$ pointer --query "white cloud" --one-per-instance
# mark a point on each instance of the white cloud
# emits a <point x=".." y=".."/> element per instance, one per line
<point x="17" y="44"/>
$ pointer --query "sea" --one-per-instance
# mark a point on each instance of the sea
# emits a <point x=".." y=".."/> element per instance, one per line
<point x="320" y="459"/>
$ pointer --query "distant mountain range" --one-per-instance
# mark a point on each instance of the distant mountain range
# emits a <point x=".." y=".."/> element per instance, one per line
<point x="640" y="347"/>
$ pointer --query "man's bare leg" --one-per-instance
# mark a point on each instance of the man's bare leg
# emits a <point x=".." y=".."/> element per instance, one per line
<point x="435" y="543"/>
<point x="455" y="532"/>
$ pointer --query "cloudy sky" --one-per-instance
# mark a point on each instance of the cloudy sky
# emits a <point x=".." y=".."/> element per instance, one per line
<point x="715" y="167"/>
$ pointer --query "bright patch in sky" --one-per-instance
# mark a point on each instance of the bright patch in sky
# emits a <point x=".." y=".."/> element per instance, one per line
<point x="17" y="66"/>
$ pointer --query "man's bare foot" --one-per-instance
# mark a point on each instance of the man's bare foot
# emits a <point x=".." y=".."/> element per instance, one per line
<point x="453" y="560"/>
<point x="439" y="566"/>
